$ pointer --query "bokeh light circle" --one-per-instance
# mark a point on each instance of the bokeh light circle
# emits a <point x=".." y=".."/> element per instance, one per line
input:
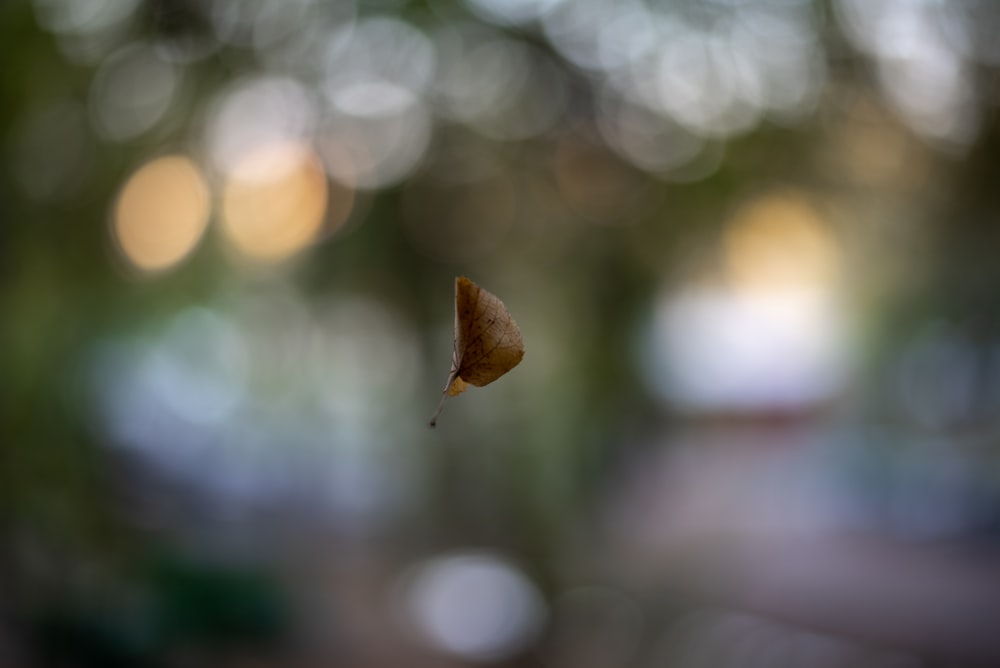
<point x="161" y="213"/>
<point x="274" y="201"/>
<point x="477" y="606"/>
<point x="132" y="92"/>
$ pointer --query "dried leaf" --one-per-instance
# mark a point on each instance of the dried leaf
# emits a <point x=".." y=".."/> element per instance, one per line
<point x="487" y="341"/>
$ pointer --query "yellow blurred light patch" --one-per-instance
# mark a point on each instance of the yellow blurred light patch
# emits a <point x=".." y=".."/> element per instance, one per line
<point x="161" y="213"/>
<point x="275" y="200"/>
<point x="780" y="241"/>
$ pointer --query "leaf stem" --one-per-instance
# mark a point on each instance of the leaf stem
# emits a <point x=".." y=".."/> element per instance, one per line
<point x="434" y="418"/>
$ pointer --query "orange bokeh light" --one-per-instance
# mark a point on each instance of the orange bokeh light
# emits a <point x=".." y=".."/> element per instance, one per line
<point x="161" y="213"/>
<point x="275" y="201"/>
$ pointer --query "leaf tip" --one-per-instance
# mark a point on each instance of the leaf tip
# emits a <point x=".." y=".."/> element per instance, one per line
<point x="457" y="386"/>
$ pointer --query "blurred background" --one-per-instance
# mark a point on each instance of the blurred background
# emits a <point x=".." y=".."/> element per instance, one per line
<point x="752" y="247"/>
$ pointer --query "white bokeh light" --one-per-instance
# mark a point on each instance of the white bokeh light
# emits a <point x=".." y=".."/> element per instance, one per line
<point x="477" y="606"/>
<point x="131" y="92"/>
<point x="379" y="48"/>
<point x="375" y="134"/>
<point x="82" y="16"/>
<point x="255" y="113"/>
<point x="715" y="349"/>
<point x="512" y="12"/>
<point x="920" y="64"/>
<point x="503" y="88"/>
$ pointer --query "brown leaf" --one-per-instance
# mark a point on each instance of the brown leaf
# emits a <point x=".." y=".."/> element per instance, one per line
<point x="487" y="341"/>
